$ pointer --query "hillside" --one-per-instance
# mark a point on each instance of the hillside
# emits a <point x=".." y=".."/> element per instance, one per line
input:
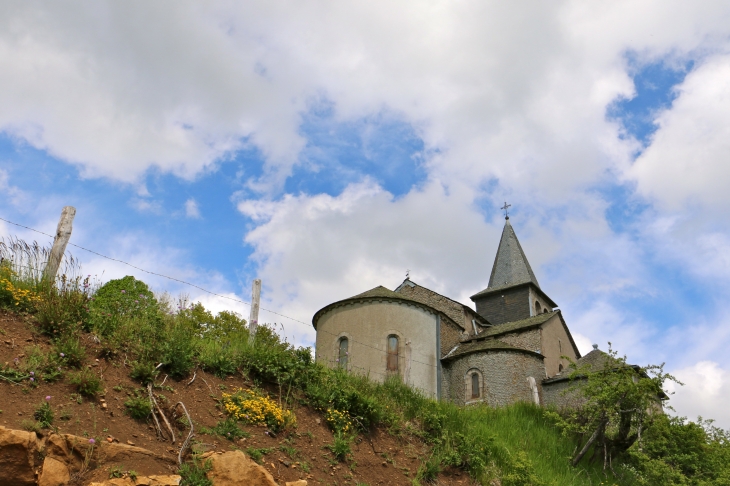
<point x="83" y="361"/>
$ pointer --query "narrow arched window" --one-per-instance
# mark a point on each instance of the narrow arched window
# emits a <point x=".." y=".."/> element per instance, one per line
<point x="475" y="385"/>
<point x="343" y="353"/>
<point x="537" y="308"/>
<point x="392" y="353"/>
<point x="560" y="368"/>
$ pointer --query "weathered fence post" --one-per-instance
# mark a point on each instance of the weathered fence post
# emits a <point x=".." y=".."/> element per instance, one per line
<point x="253" y="321"/>
<point x="63" y="234"/>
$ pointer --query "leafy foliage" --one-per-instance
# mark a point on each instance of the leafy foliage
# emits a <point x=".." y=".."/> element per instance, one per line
<point x="138" y="407"/>
<point x="125" y="298"/>
<point x="87" y="383"/>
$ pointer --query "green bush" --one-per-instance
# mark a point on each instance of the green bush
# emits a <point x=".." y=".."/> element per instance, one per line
<point x="138" y="407"/>
<point x="340" y="446"/>
<point x="41" y="366"/>
<point x="179" y="348"/>
<point x="86" y="382"/>
<point x="228" y="429"/>
<point x="119" y="300"/>
<point x="143" y="371"/>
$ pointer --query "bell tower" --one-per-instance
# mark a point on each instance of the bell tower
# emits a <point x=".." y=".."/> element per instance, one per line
<point x="513" y="293"/>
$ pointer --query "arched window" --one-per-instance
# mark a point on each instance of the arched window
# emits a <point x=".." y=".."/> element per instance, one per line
<point x="560" y="368"/>
<point x="392" y="353"/>
<point x="538" y="309"/>
<point x="343" y="352"/>
<point x="475" y="392"/>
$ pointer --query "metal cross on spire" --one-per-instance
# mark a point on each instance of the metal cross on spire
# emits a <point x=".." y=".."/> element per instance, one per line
<point x="408" y="274"/>
<point x="505" y="209"/>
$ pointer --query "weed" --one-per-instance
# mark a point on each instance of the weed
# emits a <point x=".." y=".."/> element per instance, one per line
<point x="290" y="451"/>
<point x="132" y="475"/>
<point x="65" y="415"/>
<point x="228" y="429"/>
<point x="304" y="465"/>
<point x="138" y="407"/>
<point x="257" y="454"/>
<point x="63" y="306"/>
<point x="44" y="413"/>
<point x="143" y="371"/>
<point x="70" y="350"/>
<point x="118" y="388"/>
<point x="76" y="397"/>
<point x="116" y="472"/>
<point x="193" y="473"/>
<point x="340" y="446"/>
<point x="87" y="383"/>
<point x="31" y="426"/>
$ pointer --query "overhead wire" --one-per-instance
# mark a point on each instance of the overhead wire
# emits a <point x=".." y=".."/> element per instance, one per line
<point x="208" y="291"/>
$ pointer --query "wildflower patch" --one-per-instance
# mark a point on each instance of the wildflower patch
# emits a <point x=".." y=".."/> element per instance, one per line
<point x="255" y="408"/>
<point x="338" y="421"/>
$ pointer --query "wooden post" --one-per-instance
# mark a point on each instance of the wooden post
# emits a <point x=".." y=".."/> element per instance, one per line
<point x="63" y="234"/>
<point x="253" y="321"/>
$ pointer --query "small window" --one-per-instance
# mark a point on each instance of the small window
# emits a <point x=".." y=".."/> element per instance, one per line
<point x="392" y="353"/>
<point x="475" y="385"/>
<point x="560" y="368"/>
<point x="538" y="309"/>
<point x="343" y="353"/>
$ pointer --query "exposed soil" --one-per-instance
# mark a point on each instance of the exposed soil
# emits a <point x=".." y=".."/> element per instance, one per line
<point x="378" y="458"/>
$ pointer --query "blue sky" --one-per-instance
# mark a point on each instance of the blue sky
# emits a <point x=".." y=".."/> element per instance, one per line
<point x="329" y="153"/>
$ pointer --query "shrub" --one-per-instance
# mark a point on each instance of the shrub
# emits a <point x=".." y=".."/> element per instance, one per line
<point x="179" y="348"/>
<point x="86" y="382"/>
<point x="70" y="350"/>
<point x="63" y="306"/>
<point x="138" y="407"/>
<point x="14" y="293"/>
<point x="41" y="366"/>
<point x="254" y="408"/>
<point x="118" y="300"/>
<point x="143" y="371"/>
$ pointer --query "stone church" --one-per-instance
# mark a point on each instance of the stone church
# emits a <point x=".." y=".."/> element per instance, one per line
<point x="511" y="348"/>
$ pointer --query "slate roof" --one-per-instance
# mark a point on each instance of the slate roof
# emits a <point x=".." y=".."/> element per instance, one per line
<point x="515" y="326"/>
<point x="479" y="318"/>
<point x="380" y="293"/>
<point x="596" y="359"/>
<point x="510" y="265"/>
<point x="486" y="345"/>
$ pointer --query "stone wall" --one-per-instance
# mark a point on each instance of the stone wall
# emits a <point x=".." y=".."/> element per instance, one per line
<point x="367" y="326"/>
<point x="559" y="395"/>
<point x="511" y="304"/>
<point x="451" y="308"/>
<point x="504" y="375"/>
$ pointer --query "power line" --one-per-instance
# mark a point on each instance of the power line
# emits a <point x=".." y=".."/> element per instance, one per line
<point x="205" y="290"/>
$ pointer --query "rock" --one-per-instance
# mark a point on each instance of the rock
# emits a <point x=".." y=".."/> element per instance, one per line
<point x="17" y="450"/>
<point x="234" y="468"/>
<point x="301" y="482"/>
<point x="55" y="473"/>
<point x="170" y="480"/>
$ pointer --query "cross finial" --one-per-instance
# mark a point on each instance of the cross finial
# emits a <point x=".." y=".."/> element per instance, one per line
<point x="408" y="274"/>
<point x="505" y="209"/>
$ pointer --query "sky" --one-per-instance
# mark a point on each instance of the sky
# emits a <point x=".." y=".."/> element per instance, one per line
<point x="329" y="147"/>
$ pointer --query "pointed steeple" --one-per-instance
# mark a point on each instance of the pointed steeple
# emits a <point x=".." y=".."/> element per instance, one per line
<point x="510" y="265"/>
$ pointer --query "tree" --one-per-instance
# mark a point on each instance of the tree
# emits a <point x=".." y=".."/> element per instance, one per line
<point x="619" y="401"/>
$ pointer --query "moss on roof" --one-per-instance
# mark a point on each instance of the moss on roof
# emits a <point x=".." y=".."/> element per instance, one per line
<point x="484" y="345"/>
<point x="515" y="326"/>
<point x="379" y="291"/>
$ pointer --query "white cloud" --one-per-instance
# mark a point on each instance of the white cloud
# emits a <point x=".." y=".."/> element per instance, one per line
<point x="687" y="161"/>
<point x="706" y="392"/>
<point x="191" y="209"/>
<point x="14" y="195"/>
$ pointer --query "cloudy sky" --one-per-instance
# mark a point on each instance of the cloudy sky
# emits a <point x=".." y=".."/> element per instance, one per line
<point x="327" y="147"/>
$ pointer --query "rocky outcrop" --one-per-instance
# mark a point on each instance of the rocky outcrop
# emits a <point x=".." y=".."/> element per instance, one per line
<point x="26" y="460"/>
<point x="17" y="457"/>
<point x="235" y="468"/>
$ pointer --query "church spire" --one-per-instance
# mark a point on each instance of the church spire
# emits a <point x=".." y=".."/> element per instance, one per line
<point x="510" y="265"/>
